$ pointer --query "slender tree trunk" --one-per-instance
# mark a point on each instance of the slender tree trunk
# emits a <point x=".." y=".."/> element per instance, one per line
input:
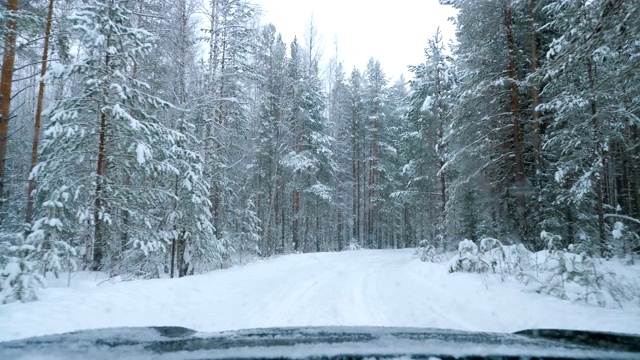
<point x="276" y="200"/>
<point x="36" y="130"/>
<point x="176" y="195"/>
<point x="6" y="83"/>
<point x="296" y="201"/>
<point x="358" y="192"/>
<point x="182" y="98"/>
<point x="317" y="234"/>
<point x="513" y="87"/>
<point x="283" y="224"/>
<point x="443" y="202"/>
<point x="180" y="256"/>
<point x="600" y="175"/>
<point x="340" y="229"/>
<point x="515" y="111"/>
<point x="98" y="242"/>
<point x="173" y="257"/>
<point x="217" y="192"/>
<point x="182" y="61"/>
<point x="365" y="199"/>
<point x="635" y="170"/>
<point x="407" y="226"/>
<point x="372" y="182"/>
<point x="296" y="213"/>
<point x="355" y="176"/>
<point x="126" y="217"/>
<point x="88" y="246"/>
<point x="441" y="151"/>
<point x="536" y="115"/>
<point x="213" y="42"/>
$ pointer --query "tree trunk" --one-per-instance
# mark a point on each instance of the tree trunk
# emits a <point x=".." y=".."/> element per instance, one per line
<point x="340" y="229"/>
<point x="180" y="256"/>
<point x="355" y="176"/>
<point x="296" y="211"/>
<point x="535" y="98"/>
<point x="36" y="132"/>
<point x="443" y="202"/>
<point x="635" y="170"/>
<point x="372" y="182"/>
<point x="173" y="257"/>
<point x="599" y="177"/>
<point x="441" y="151"/>
<point x="407" y="226"/>
<point x="515" y="111"/>
<point x="217" y="192"/>
<point x="98" y="243"/>
<point x="276" y="200"/>
<point x="6" y="83"/>
<point x="365" y="199"/>
<point x="126" y="217"/>
<point x="358" y="201"/>
<point x="317" y="234"/>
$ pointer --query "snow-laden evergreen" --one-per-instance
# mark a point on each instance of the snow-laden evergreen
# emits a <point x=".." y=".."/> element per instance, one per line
<point x="114" y="178"/>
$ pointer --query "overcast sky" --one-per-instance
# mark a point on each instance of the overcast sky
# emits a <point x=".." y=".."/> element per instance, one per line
<point x="394" y="32"/>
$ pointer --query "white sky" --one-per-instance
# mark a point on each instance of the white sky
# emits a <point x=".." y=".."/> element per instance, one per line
<point x="394" y="32"/>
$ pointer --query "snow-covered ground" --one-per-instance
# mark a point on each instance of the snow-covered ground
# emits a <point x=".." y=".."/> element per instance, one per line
<point x="369" y="287"/>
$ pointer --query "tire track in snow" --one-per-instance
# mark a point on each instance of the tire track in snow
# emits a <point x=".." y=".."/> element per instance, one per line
<point x="358" y="288"/>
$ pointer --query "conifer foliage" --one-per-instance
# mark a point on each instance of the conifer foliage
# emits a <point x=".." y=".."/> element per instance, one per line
<point x="537" y="130"/>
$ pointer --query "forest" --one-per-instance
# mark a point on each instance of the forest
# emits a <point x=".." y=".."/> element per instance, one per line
<point x="152" y="138"/>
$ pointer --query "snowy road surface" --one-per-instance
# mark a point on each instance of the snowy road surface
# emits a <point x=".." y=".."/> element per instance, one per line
<point x="371" y="287"/>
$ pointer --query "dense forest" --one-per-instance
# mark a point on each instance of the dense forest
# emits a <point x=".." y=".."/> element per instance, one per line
<point x="166" y="138"/>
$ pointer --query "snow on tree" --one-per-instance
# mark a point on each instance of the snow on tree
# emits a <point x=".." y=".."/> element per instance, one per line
<point x="107" y="135"/>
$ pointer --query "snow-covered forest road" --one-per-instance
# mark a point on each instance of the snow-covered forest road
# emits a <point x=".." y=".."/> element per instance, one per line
<point x="369" y="287"/>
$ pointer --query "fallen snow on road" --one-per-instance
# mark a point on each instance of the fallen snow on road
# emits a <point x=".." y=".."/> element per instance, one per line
<point x="369" y="287"/>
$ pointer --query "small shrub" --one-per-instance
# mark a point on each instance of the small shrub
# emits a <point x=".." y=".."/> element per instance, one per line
<point x="426" y="252"/>
<point x="19" y="278"/>
<point x="468" y="258"/>
<point x="353" y="245"/>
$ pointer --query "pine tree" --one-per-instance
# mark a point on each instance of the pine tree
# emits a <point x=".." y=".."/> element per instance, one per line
<point x="426" y="141"/>
<point x="109" y="137"/>
<point x="310" y="160"/>
<point x="268" y="182"/>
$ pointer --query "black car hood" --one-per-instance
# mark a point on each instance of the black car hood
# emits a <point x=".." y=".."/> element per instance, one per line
<point x="322" y="342"/>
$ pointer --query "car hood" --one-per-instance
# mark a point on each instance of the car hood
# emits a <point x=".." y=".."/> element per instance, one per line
<point x="322" y="342"/>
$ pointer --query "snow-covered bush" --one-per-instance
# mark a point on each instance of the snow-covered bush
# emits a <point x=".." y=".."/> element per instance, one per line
<point x="353" y="245"/>
<point x="426" y="251"/>
<point x="50" y="252"/>
<point x="625" y="242"/>
<point x="19" y="280"/>
<point x="490" y="256"/>
<point x="572" y="274"/>
<point x="564" y="271"/>
<point x="569" y="273"/>
<point x="505" y="259"/>
<point x="467" y="259"/>
<point x="25" y="260"/>
<point x="248" y="238"/>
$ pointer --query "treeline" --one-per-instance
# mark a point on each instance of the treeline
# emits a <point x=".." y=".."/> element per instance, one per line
<point x="531" y="125"/>
<point x="156" y="138"/>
